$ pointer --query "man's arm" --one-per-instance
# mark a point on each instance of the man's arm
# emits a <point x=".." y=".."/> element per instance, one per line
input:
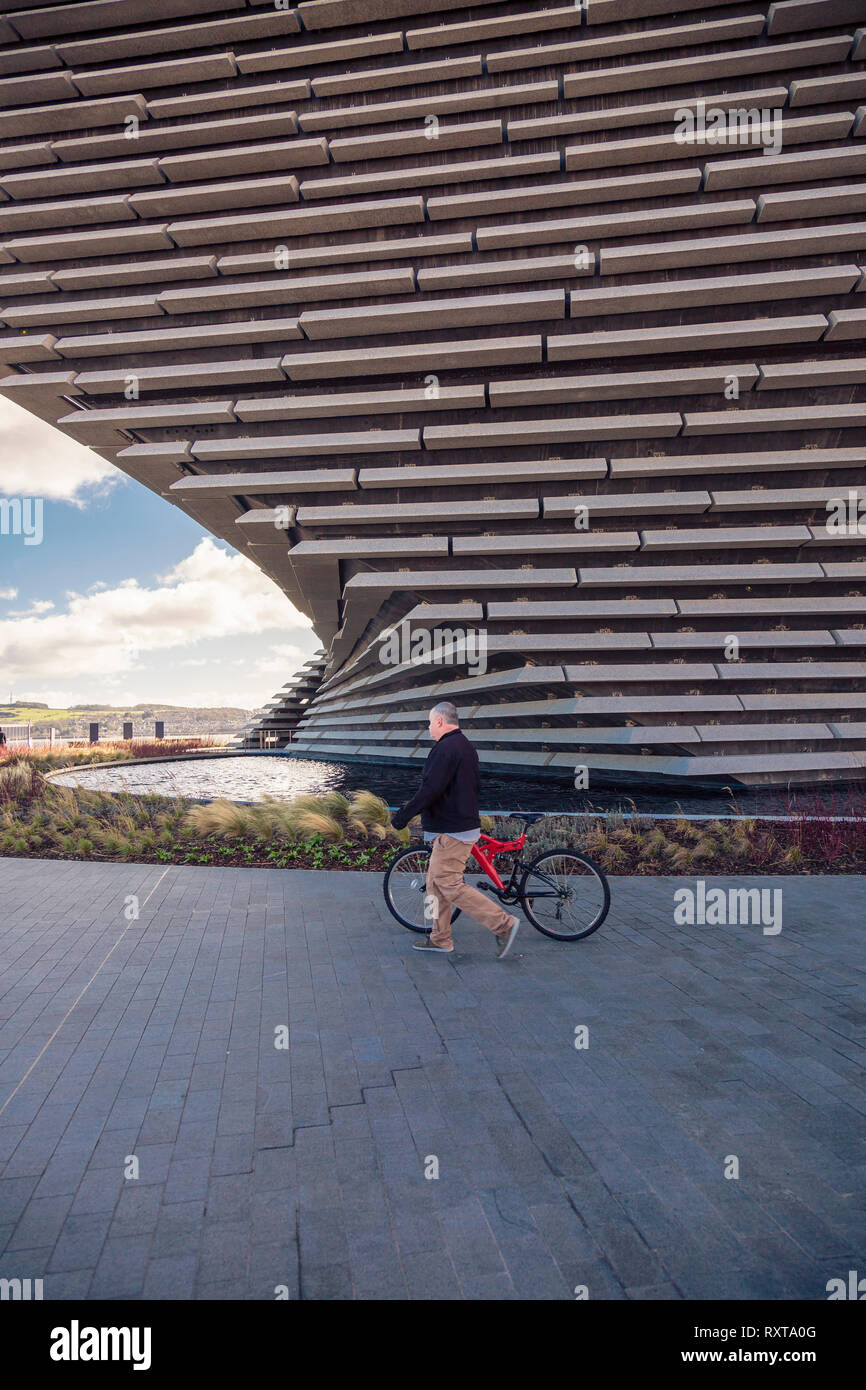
<point x="435" y="778"/>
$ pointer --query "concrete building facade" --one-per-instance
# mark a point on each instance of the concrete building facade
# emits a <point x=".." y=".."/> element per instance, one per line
<point x="519" y="343"/>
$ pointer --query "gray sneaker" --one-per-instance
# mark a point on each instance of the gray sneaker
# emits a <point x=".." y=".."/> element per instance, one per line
<point x="428" y="946"/>
<point x="503" y="945"/>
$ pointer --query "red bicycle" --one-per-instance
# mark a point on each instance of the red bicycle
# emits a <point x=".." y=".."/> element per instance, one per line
<point x="563" y="893"/>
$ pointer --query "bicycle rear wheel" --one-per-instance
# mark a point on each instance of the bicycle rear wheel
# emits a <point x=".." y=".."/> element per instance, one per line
<point x="565" y="894"/>
<point x="405" y="889"/>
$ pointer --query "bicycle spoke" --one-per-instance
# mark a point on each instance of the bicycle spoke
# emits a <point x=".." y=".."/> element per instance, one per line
<point x="407" y="888"/>
<point x="570" y="897"/>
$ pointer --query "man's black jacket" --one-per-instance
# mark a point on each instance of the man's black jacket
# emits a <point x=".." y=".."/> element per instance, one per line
<point x="450" y="785"/>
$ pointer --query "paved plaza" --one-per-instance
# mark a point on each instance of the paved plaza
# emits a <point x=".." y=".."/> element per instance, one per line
<point x="154" y="1044"/>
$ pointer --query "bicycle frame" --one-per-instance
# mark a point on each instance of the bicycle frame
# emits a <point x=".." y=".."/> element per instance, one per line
<point x="493" y="848"/>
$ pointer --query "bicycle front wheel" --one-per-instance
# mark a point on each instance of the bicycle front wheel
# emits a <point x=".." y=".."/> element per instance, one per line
<point x="405" y="889"/>
<point x="565" y="894"/>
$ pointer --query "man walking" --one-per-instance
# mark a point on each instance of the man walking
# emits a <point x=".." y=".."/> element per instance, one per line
<point x="448" y="802"/>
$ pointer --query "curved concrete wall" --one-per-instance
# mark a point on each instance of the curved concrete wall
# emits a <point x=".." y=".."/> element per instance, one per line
<point x="519" y="343"/>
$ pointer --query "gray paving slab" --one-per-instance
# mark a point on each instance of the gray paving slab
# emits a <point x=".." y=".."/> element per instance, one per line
<point x="430" y="1132"/>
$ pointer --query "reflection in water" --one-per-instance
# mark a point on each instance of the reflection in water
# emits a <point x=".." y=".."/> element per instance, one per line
<point x="249" y="777"/>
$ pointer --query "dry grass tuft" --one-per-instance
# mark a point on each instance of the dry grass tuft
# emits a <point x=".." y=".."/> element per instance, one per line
<point x="307" y="821"/>
<point x="19" y="781"/>
<point x="366" y="806"/>
<point x="270" y="819"/>
<point x="221" y="817"/>
<point x="335" y="804"/>
<point x="682" y="858"/>
<point x="705" y="851"/>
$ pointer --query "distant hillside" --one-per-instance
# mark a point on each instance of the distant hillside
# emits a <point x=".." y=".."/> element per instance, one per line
<point x="178" y="719"/>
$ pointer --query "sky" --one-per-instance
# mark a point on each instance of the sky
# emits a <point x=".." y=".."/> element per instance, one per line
<point x="126" y="599"/>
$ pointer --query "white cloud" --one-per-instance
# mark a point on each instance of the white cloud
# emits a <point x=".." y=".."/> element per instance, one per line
<point x="37" y="606"/>
<point x="8" y="593"/>
<point x="41" y="461"/>
<point x="102" y="635"/>
<point x="280" y="658"/>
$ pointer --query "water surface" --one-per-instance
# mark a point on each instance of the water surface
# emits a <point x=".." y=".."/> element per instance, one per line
<point x="249" y="777"/>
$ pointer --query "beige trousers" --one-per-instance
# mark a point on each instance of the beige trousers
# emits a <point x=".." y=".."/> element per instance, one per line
<point x="446" y="888"/>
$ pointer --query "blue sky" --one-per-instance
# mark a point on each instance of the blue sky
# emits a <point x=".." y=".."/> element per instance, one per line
<point x="125" y="598"/>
